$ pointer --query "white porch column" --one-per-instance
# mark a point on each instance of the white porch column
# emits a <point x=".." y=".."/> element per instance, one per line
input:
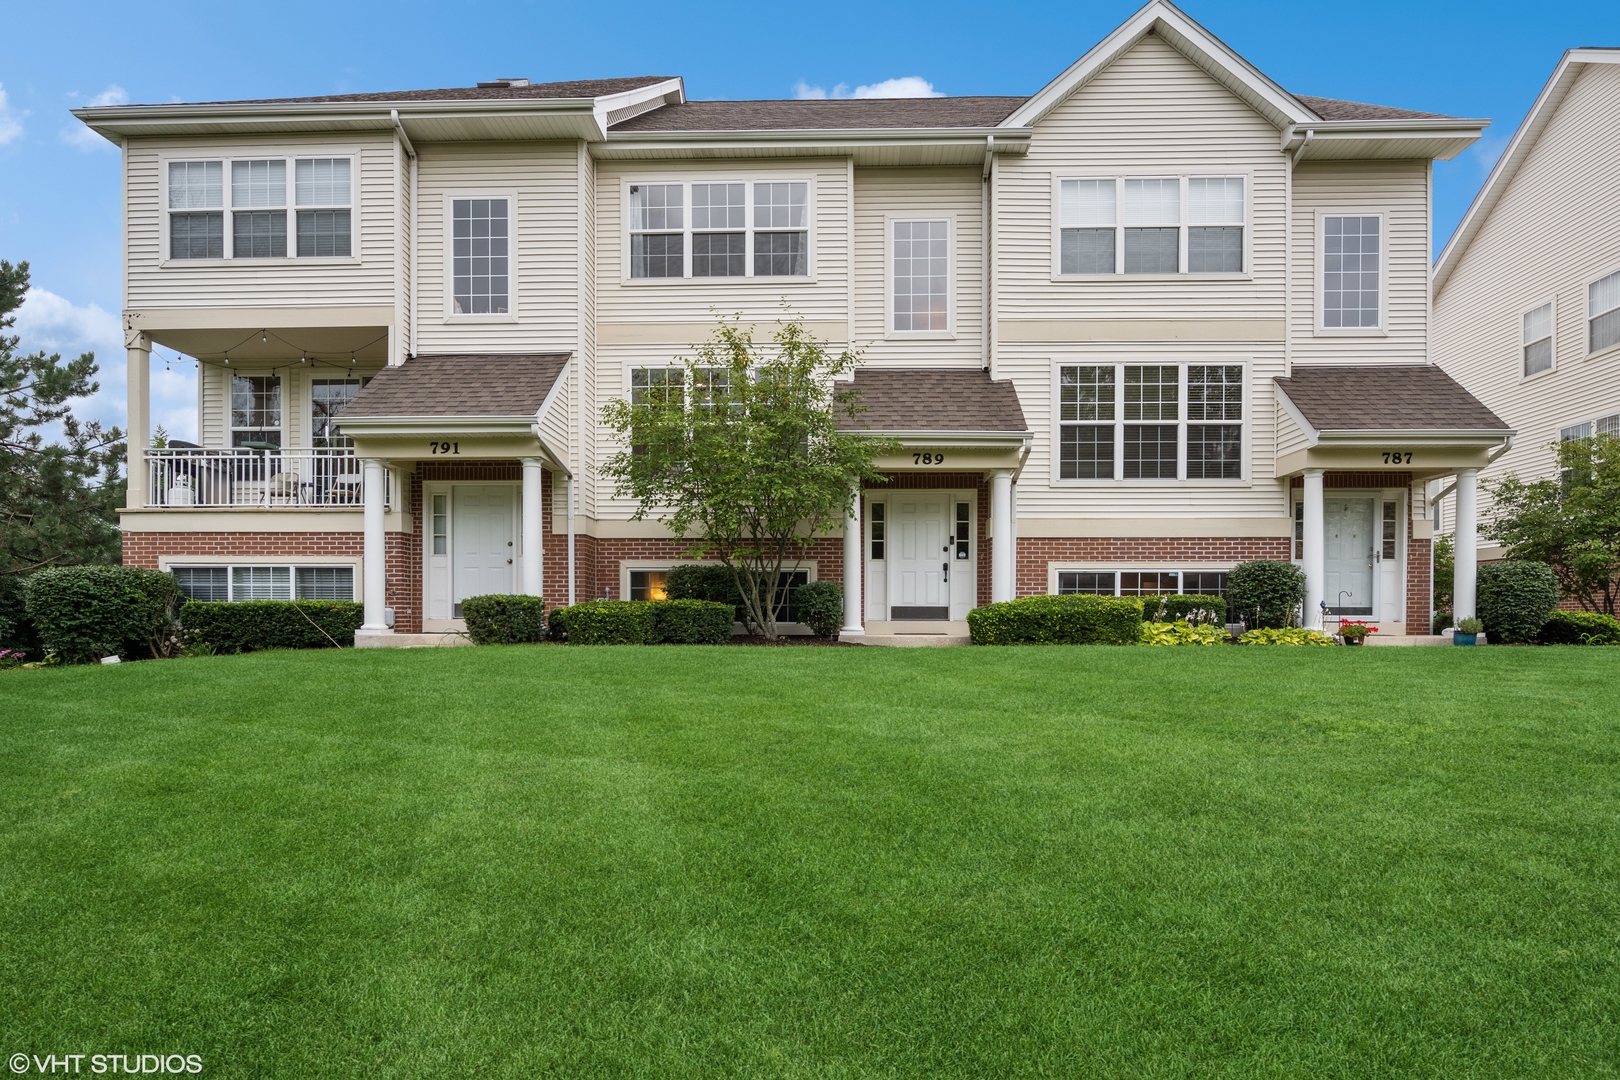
<point x="533" y="542"/>
<point x="1463" y="591"/>
<point x="854" y="552"/>
<point x="1315" y="551"/>
<point x="374" y="481"/>
<point x="140" y="415"/>
<point x="1003" y="559"/>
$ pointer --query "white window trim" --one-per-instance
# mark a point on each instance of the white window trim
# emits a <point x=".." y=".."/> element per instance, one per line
<point x="1119" y="362"/>
<point x="686" y="180"/>
<point x="889" y="332"/>
<point x="1543" y="302"/>
<point x="1053" y="569"/>
<point x="1590" y="418"/>
<point x="1586" y="322"/>
<point x="255" y="370"/>
<point x="169" y="563"/>
<point x="1182" y="173"/>
<point x="1319" y="270"/>
<point x="447" y="228"/>
<point x="291" y="156"/>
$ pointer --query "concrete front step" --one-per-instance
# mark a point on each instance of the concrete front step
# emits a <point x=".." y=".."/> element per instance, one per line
<point x="912" y="640"/>
<point x="1407" y="639"/>
<point x="409" y="641"/>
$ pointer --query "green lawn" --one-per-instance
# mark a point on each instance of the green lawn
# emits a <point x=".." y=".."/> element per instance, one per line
<point x="819" y="862"/>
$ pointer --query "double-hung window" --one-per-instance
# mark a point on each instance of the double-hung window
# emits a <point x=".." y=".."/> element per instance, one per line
<point x="238" y="208"/>
<point x="480" y="256"/>
<point x="256" y="411"/>
<point x="1352" y="271"/>
<point x="236" y="583"/>
<point x="1536" y="339"/>
<point x="920" y="291"/>
<point x="1152" y="225"/>
<point x="712" y="229"/>
<point x="1150" y="421"/>
<point x="1603" y="313"/>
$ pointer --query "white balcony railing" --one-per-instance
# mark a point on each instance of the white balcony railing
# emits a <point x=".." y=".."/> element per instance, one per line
<point x="240" y="477"/>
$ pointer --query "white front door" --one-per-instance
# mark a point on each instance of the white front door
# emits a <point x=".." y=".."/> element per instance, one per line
<point x="921" y="545"/>
<point x="1347" y="528"/>
<point x="481" y="541"/>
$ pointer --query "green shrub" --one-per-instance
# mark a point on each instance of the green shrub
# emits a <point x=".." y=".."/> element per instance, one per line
<point x="1442" y="619"/>
<point x="1284" y="635"/>
<point x="504" y="619"/>
<point x="1058" y="620"/>
<point x="1580" y="628"/>
<point x="704" y="581"/>
<point x="1182" y="632"/>
<point x="83" y="613"/>
<point x="820" y="606"/>
<point x="610" y="622"/>
<point x="692" y="622"/>
<point x="17" y="633"/>
<point x="1185" y="607"/>
<point x="1470" y="626"/>
<point x="1266" y="593"/>
<point x="1515" y="599"/>
<point x="557" y="624"/>
<point x="249" y="625"/>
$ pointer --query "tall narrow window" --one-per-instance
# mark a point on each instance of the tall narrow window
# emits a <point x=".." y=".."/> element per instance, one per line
<point x="1214" y="450"/>
<point x="256" y="411"/>
<point x="322" y="190"/>
<point x="1086" y="403"/>
<point x="1087" y="220"/>
<point x="327" y="397"/>
<point x="196" y="210"/>
<point x="1388" y="535"/>
<point x="657" y="242"/>
<point x="1351" y="265"/>
<point x="1151" y="394"/>
<point x="441" y="524"/>
<point x="921" y="275"/>
<point x="1299" y="529"/>
<point x="1214" y="224"/>
<point x="649" y="386"/>
<point x="781" y="236"/>
<point x="719" y="239"/>
<point x="480" y="256"/>
<point x="879" y="530"/>
<point x="1537" y="338"/>
<point x="1603" y="312"/>
<point x="1152" y="226"/>
<point x="259" y="209"/>
<point x="964" y="530"/>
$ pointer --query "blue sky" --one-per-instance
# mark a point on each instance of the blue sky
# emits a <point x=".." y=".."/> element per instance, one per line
<point x="59" y="190"/>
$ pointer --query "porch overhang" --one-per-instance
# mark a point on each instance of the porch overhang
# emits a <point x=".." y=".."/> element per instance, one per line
<point x="402" y="439"/>
<point x="955" y="451"/>
<point x="945" y="419"/>
<point x="1422" y="453"/>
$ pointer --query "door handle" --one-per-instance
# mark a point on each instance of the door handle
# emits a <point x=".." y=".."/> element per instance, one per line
<point x="945" y="566"/>
<point x="508" y="562"/>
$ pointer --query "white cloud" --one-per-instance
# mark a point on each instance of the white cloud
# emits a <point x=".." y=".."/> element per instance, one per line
<point x="78" y="135"/>
<point x="908" y="86"/>
<point x="10" y="119"/>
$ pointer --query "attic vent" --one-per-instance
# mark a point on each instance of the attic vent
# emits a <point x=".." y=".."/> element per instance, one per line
<point x="503" y="84"/>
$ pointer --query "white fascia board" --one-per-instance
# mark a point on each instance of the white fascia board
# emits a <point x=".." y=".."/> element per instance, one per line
<point x="1416" y="436"/>
<point x="835" y="141"/>
<point x="1185" y="35"/>
<point x="556" y="389"/>
<point x="1518" y="149"/>
<point x="1305" y="426"/>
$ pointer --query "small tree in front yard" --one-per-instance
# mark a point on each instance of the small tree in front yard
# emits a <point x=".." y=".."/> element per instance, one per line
<point x="738" y="452"/>
<point x="1570" y="521"/>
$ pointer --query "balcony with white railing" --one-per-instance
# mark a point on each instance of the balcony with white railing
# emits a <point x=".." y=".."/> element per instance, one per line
<point x="263" y="478"/>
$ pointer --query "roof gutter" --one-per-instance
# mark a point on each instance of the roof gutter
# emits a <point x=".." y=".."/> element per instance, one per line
<point x="1489" y="460"/>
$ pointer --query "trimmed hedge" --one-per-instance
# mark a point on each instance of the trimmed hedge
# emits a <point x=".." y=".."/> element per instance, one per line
<point x="1580" y="628"/>
<point x="1185" y="607"/>
<point x="250" y="625"/>
<point x="83" y="613"/>
<point x="1265" y="592"/>
<point x="504" y="619"/>
<point x="609" y="622"/>
<point x="692" y="622"/>
<point x="820" y="606"/>
<point x="1515" y="599"/>
<point x="704" y="581"/>
<point x="1058" y="620"/>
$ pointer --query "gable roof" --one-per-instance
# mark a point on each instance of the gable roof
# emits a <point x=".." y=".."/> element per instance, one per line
<point x="461" y="385"/>
<point x="1386" y="397"/>
<point x="1519" y="148"/>
<point x="935" y="399"/>
<point x="843" y="114"/>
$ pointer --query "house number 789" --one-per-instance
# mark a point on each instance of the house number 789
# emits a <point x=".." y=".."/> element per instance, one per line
<point x="928" y="458"/>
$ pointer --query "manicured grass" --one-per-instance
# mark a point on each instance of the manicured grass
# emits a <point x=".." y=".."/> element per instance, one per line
<point x="819" y="862"/>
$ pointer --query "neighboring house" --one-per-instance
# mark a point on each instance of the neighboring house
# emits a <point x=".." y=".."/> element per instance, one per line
<point x="1161" y="317"/>
<point x="1527" y="293"/>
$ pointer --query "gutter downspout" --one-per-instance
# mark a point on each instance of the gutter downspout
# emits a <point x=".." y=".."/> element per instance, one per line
<point x="410" y="298"/>
<point x="984" y="253"/>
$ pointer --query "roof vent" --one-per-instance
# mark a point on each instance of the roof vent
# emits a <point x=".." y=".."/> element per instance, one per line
<point x="503" y="84"/>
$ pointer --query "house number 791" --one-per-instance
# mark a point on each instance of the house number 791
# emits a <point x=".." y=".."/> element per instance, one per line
<point x="455" y="448"/>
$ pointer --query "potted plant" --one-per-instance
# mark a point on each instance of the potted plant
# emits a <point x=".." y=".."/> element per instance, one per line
<point x="1354" y="633"/>
<point x="1468" y="631"/>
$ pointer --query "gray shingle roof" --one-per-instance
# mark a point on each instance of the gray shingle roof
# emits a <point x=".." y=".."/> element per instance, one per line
<point x="1334" y="109"/>
<point x="1386" y="397"/>
<point x="792" y="115"/>
<point x="581" y="88"/>
<point x="934" y="399"/>
<point x="459" y="385"/>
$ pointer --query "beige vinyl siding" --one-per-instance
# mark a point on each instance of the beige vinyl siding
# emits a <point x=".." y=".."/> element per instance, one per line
<point x="214" y="395"/>
<point x="585" y="403"/>
<point x="1150" y="113"/>
<point x="407" y="244"/>
<point x="370" y="279"/>
<point x="1554" y="230"/>
<point x="545" y="249"/>
<point x="918" y="194"/>
<point x="1289" y="435"/>
<point x="1400" y="191"/>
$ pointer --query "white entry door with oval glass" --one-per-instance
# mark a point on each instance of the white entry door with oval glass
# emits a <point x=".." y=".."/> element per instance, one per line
<point x="483" y="542"/>
<point x="1347" y="532"/>
<point x="927" y="558"/>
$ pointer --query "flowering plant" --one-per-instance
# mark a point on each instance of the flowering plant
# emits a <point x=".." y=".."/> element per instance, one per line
<point x="10" y="658"/>
<point x="1356" y="629"/>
